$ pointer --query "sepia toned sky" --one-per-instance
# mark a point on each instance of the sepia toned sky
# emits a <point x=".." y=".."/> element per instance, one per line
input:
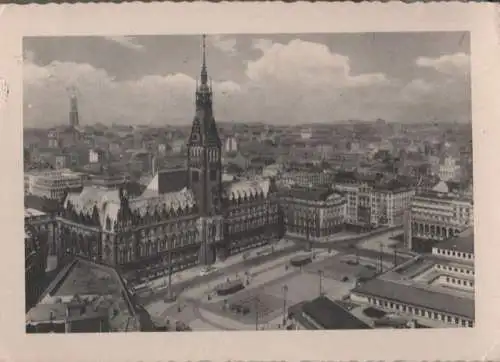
<point x="280" y="79"/>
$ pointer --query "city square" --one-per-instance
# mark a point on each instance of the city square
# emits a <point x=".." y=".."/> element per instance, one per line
<point x="203" y="222"/>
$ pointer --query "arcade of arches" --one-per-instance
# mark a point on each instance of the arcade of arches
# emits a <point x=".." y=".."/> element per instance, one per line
<point x="433" y="231"/>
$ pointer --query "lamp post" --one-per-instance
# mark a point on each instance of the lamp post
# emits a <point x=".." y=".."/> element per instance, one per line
<point x="380" y="258"/>
<point x="205" y="235"/>
<point x="256" y="301"/>
<point x="170" y="246"/>
<point x="395" y="256"/>
<point x="285" y="290"/>
<point x="320" y="274"/>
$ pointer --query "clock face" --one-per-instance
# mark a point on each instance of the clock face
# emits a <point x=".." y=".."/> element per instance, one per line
<point x="195" y="137"/>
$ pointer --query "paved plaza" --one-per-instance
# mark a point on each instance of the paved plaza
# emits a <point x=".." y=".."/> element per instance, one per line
<point x="269" y="299"/>
<point x="264" y="299"/>
<point x="342" y="266"/>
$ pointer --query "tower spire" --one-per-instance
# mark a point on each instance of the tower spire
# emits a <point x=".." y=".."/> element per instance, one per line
<point x="204" y="75"/>
<point x="73" y="112"/>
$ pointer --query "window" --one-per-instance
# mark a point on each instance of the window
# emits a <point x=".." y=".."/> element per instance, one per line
<point x="195" y="176"/>
<point x="213" y="175"/>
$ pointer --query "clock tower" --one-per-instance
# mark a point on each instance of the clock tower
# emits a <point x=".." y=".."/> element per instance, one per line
<point x="205" y="167"/>
<point x="204" y="149"/>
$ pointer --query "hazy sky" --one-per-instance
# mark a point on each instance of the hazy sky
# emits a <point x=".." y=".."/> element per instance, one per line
<point x="282" y="79"/>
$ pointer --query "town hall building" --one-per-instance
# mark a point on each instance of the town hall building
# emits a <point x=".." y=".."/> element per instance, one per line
<point x="184" y="217"/>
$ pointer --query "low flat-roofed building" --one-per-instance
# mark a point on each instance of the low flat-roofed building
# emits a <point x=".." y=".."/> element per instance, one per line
<point x="87" y="297"/>
<point x="460" y="248"/>
<point x="323" y="313"/>
<point x="418" y="301"/>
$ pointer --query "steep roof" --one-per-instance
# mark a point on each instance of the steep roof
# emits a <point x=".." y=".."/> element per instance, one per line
<point x="98" y="289"/>
<point x="331" y="315"/>
<point x="170" y="180"/>
<point x="40" y="203"/>
<point x="240" y="189"/>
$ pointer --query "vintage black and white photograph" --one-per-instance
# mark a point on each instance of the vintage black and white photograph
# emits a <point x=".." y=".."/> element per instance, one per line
<point x="257" y="182"/>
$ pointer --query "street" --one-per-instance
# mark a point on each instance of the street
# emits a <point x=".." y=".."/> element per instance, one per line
<point x="269" y="274"/>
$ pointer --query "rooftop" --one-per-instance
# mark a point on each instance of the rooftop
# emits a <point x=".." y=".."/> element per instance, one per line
<point x="418" y="296"/>
<point x="464" y="242"/>
<point x="330" y="315"/>
<point x="311" y="194"/>
<point x="95" y="290"/>
<point x="41" y="203"/>
<point x="28" y="212"/>
<point x="170" y="180"/>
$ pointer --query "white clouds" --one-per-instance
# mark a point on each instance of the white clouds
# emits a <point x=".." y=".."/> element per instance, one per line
<point x="262" y="44"/>
<point x="150" y="99"/>
<point x="305" y="63"/>
<point x="453" y="64"/>
<point x="288" y="83"/>
<point x="127" y="41"/>
<point x="305" y="82"/>
<point x="224" y="43"/>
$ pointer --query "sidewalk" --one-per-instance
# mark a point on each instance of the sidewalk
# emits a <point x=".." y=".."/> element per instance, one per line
<point x="185" y="275"/>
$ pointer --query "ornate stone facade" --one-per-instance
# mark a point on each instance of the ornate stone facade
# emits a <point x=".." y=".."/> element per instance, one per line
<point x="313" y="213"/>
<point x="183" y="218"/>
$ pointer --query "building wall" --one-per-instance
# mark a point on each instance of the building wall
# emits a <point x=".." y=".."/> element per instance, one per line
<point x="54" y="185"/>
<point x="313" y="219"/>
<point x="453" y="254"/>
<point x="252" y="223"/>
<point x="437" y="217"/>
<point x="307" y="178"/>
<point x="413" y="311"/>
<point x="366" y="205"/>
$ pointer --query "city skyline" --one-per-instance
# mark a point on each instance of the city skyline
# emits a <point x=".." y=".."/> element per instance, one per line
<point x="276" y="79"/>
<point x="371" y="227"/>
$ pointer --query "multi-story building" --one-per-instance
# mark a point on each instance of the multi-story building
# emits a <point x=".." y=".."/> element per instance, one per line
<point x="449" y="169"/>
<point x="52" y="184"/>
<point x="231" y="145"/>
<point x="373" y="200"/>
<point x="184" y="217"/>
<point x="96" y="155"/>
<point x="251" y="214"/>
<point x="307" y="177"/>
<point x="312" y="214"/>
<point x="438" y="214"/>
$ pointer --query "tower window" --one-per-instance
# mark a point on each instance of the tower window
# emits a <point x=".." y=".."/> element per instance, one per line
<point x="213" y="175"/>
<point x="195" y="176"/>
